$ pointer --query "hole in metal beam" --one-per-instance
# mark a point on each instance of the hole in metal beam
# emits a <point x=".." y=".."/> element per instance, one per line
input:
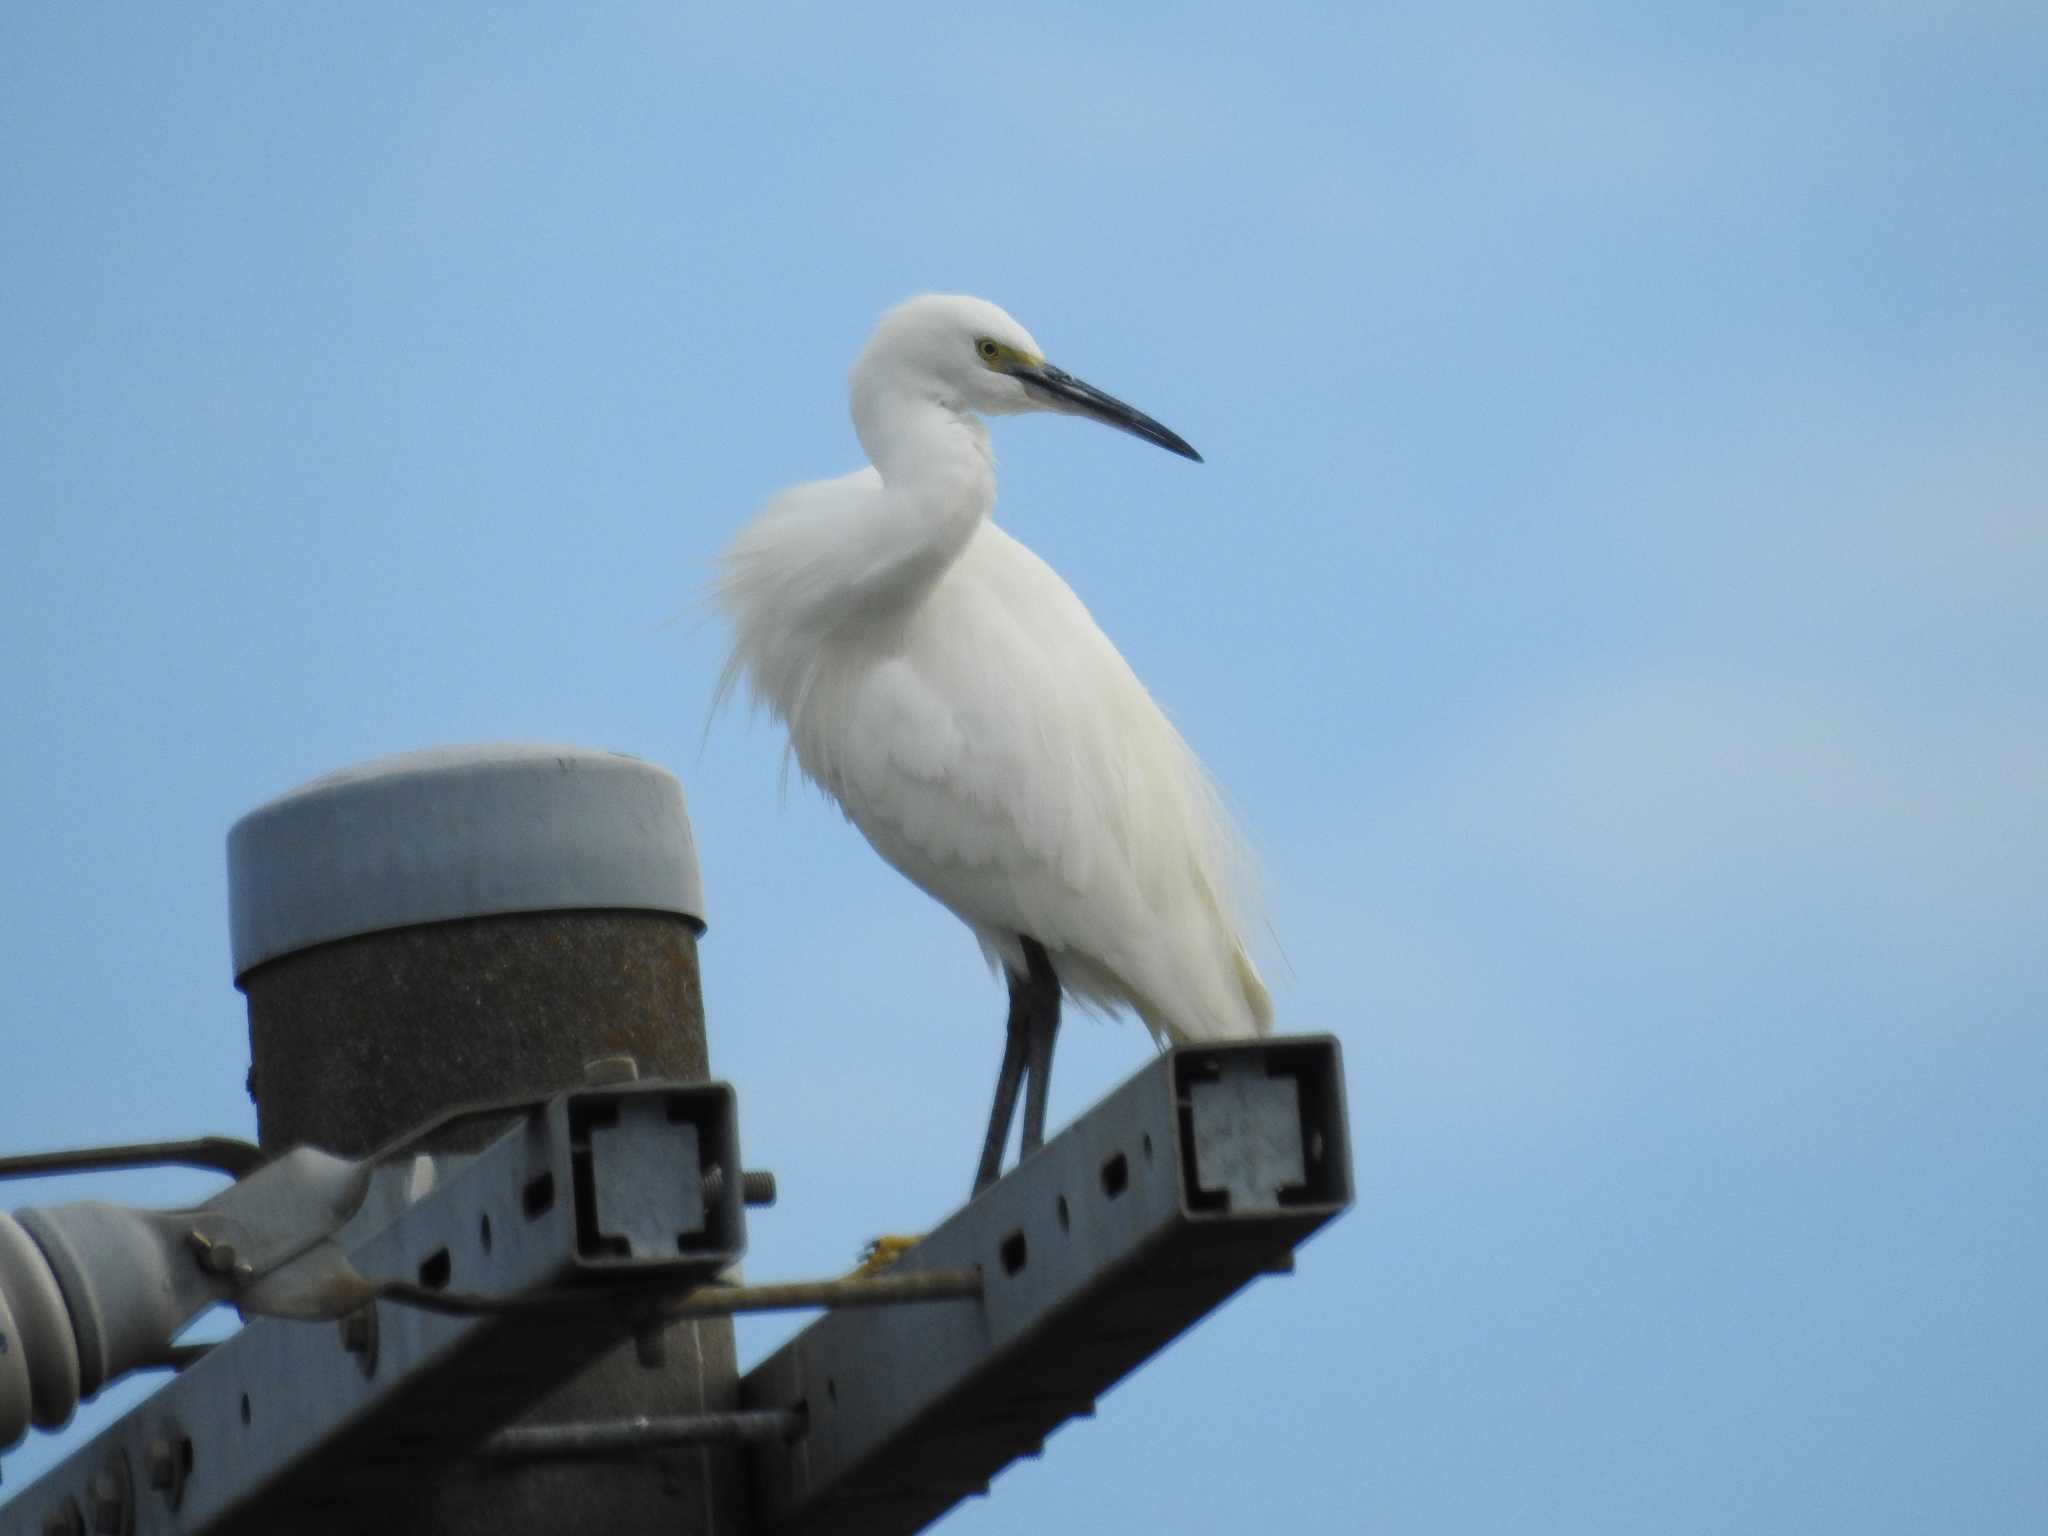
<point x="1116" y="1175"/>
<point x="539" y="1196"/>
<point x="436" y="1269"/>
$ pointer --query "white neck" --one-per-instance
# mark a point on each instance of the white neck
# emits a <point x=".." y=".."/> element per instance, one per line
<point x="938" y="484"/>
<point x="911" y="433"/>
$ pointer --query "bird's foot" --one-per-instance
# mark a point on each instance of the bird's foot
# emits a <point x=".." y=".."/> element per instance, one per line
<point x="881" y="1253"/>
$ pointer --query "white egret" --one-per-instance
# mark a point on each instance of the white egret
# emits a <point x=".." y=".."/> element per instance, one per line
<point x="953" y="695"/>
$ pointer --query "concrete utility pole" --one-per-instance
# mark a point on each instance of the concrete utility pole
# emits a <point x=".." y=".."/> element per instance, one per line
<point x="434" y="1305"/>
<point x="462" y="924"/>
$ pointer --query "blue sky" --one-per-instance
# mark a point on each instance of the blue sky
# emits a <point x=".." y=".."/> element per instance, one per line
<point x="1612" y="603"/>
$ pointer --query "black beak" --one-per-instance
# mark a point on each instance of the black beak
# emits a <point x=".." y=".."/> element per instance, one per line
<point x="1068" y="393"/>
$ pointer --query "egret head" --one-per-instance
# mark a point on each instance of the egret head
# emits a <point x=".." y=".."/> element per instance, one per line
<point x="969" y="355"/>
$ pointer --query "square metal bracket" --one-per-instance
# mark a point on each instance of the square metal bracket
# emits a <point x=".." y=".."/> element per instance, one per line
<point x="692" y="1211"/>
<point x="1261" y="1131"/>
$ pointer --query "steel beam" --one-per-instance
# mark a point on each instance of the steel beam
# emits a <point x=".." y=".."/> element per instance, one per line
<point x="315" y="1428"/>
<point x="1199" y="1173"/>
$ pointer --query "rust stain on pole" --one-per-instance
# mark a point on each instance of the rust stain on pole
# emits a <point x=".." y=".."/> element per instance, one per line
<point x="356" y="1041"/>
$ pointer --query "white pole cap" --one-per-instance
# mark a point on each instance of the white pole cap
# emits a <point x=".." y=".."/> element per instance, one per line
<point x="455" y="832"/>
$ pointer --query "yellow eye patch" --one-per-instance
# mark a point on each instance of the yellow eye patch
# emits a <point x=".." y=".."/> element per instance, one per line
<point x="1003" y="358"/>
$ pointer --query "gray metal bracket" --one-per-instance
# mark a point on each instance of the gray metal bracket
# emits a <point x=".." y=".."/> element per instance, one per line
<point x="1199" y="1173"/>
<point x="310" y="1427"/>
<point x="1202" y="1171"/>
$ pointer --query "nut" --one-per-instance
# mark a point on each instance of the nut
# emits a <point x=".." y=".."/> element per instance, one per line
<point x="214" y="1258"/>
<point x="109" y="1504"/>
<point x="359" y="1337"/>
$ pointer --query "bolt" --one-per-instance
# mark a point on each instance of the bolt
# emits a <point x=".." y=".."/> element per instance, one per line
<point x="214" y="1258"/>
<point x="167" y="1462"/>
<point x="359" y="1338"/>
<point x="109" y="1504"/>
<point x="757" y="1185"/>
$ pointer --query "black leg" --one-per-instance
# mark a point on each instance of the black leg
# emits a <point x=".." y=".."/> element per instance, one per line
<point x="1044" y="1024"/>
<point x="1034" y="1017"/>
<point x="1009" y="1077"/>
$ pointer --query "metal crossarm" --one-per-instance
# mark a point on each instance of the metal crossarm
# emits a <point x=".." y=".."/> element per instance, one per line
<point x="508" y="1271"/>
<point x="315" y="1427"/>
<point x="1199" y="1173"/>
